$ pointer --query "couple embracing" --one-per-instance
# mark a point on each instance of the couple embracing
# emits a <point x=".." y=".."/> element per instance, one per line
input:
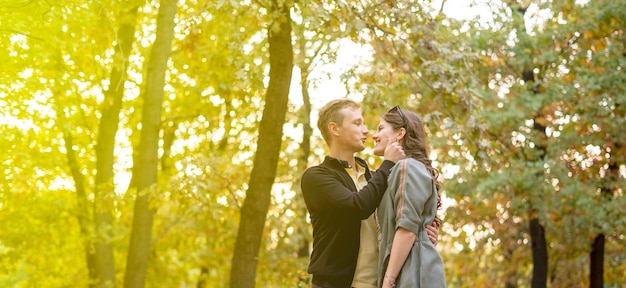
<point x="373" y="228"/>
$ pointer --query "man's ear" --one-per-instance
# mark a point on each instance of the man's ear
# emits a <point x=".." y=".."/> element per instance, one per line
<point x="333" y="128"/>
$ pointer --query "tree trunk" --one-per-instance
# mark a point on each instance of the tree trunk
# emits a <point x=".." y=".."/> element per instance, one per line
<point x="202" y="279"/>
<point x="82" y="202"/>
<point x="140" y="239"/>
<point x="537" y="231"/>
<point x="256" y="204"/>
<point x="596" y="258"/>
<point x="540" y="254"/>
<point x="227" y="123"/>
<point x="596" y="263"/>
<point x="107" y="129"/>
<point x="510" y="276"/>
<point x="305" y="150"/>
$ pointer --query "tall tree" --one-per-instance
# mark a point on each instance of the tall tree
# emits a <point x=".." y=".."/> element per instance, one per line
<point x="141" y="236"/>
<point x="107" y="130"/>
<point x="314" y="38"/>
<point x="307" y="131"/>
<point x="528" y="73"/>
<point x="543" y="124"/>
<point x="256" y="204"/>
<point x="84" y="205"/>
<point x="596" y="59"/>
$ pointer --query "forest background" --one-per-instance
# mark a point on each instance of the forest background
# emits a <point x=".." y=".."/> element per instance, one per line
<point x="160" y="143"/>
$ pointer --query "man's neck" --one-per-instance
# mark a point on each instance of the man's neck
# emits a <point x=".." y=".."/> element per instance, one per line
<point x="342" y="155"/>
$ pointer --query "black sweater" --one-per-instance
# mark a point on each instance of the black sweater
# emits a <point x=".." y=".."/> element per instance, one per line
<point x="336" y="212"/>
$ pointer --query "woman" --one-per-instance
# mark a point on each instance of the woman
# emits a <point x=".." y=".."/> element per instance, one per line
<point x="407" y="257"/>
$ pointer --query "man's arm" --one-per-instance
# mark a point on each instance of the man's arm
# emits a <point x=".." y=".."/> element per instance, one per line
<point x="323" y="189"/>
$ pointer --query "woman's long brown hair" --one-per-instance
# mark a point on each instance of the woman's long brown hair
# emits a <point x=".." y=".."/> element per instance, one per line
<point x="415" y="144"/>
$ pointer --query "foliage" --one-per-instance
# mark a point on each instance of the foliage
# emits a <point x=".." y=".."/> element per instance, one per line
<point x="565" y="184"/>
<point x="464" y="77"/>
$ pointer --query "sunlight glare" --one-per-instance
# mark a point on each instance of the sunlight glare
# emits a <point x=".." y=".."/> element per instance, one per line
<point x="22" y="124"/>
<point x="218" y="135"/>
<point x="449" y="170"/>
<point x="61" y="183"/>
<point x="216" y="100"/>
<point x="27" y="73"/>
<point x="222" y="200"/>
<point x="124" y="164"/>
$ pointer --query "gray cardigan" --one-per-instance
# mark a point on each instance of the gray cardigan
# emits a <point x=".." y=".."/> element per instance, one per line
<point x="411" y="203"/>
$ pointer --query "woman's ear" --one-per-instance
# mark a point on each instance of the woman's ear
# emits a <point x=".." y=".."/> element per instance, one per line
<point x="401" y="134"/>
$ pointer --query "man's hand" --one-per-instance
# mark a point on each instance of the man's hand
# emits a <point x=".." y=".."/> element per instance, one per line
<point x="433" y="233"/>
<point x="393" y="151"/>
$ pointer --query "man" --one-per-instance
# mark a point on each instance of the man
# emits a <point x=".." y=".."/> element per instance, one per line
<point x="344" y="229"/>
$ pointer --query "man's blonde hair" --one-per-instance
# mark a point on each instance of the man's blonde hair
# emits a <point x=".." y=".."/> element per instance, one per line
<point x="331" y="113"/>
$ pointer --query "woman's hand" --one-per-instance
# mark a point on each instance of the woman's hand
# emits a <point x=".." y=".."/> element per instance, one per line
<point x="389" y="282"/>
<point x="433" y="233"/>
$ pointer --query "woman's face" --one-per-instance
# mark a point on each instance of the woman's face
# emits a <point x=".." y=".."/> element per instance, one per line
<point x="383" y="134"/>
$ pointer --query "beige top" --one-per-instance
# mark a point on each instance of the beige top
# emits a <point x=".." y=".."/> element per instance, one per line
<point x="366" y="274"/>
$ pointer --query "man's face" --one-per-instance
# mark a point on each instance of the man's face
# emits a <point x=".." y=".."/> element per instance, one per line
<point x="351" y="133"/>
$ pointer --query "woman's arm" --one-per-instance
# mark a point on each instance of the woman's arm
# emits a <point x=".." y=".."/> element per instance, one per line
<point x="402" y="244"/>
